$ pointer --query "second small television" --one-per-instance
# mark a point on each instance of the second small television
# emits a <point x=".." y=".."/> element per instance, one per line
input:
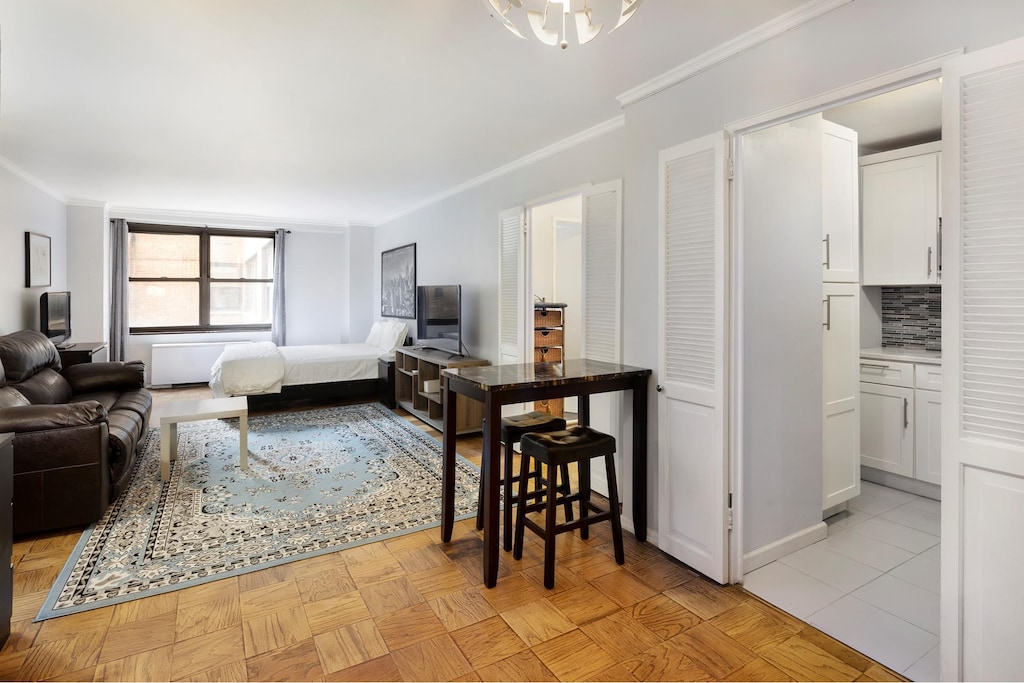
<point x="55" y="316"/>
<point x="439" y="317"/>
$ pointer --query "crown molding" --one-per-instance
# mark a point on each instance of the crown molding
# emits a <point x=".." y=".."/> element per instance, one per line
<point x="222" y="220"/>
<point x="32" y="180"/>
<point x="591" y="133"/>
<point x="763" y="33"/>
<point x="92" y="203"/>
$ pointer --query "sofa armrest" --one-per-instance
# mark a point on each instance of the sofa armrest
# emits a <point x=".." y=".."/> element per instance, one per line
<point x="20" y="419"/>
<point x="86" y="378"/>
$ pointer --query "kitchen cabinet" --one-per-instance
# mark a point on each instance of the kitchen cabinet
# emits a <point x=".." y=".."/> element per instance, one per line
<point x="928" y="434"/>
<point x="840" y="205"/>
<point x="887" y="428"/>
<point x="900" y="217"/>
<point x="840" y="390"/>
<point x="900" y="426"/>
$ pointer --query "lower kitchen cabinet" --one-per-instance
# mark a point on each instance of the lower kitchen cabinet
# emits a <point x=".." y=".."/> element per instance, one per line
<point x="928" y="435"/>
<point x="887" y="428"/>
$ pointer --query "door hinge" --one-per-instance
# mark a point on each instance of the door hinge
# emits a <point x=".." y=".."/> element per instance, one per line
<point x="731" y="169"/>
<point x="729" y="511"/>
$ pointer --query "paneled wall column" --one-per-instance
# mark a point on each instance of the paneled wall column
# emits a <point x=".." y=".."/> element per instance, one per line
<point x="89" y="270"/>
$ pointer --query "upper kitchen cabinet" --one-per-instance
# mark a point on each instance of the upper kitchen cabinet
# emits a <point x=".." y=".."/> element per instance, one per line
<point x="840" y="236"/>
<point x="900" y="216"/>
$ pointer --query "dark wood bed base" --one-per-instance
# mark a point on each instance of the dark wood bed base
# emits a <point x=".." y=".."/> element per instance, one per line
<point x="303" y="395"/>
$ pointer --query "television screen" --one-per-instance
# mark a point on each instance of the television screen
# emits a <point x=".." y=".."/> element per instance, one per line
<point x="439" y="317"/>
<point x="55" y="315"/>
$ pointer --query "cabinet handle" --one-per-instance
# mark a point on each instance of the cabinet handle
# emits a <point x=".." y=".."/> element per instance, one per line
<point x="906" y="420"/>
<point x="828" y="251"/>
<point x="938" y="251"/>
<point x="929" y="261"/>
<point x="828" y="312"/>
<point x="874" y="365"/>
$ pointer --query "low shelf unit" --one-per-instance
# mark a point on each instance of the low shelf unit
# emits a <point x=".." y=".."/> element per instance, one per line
<point x="418" y="387"/>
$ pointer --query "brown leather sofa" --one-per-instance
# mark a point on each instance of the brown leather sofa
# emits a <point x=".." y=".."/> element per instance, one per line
<point x="76" y="431"/>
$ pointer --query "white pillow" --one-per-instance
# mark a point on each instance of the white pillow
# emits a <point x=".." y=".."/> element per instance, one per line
<point x="376" y="334"/>
<point x="393" y="335"/>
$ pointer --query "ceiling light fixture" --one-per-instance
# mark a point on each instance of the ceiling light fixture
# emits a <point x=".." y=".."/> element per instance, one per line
<point x="549" y="18"/>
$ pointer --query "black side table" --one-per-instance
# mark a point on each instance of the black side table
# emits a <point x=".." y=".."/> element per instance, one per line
<point x="386" y="381"/>
<point x="83" y="352"/>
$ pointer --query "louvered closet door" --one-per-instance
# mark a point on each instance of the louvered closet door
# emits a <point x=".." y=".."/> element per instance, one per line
<point x="510" y="285"/>
<point x="982" y="600"/>
<point x="692" y="524"/>
<point x="602" y="313"/>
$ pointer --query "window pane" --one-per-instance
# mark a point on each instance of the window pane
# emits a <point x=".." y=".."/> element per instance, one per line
<point x="241" y="257"/>
<point x="152" y="255"/>
<point x="163" y="304"/>
<point x="241" y="303"/>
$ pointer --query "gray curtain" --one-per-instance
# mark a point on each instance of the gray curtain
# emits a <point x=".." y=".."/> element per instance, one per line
<point x="118" y="289"/>
<point x="277" y="328"/>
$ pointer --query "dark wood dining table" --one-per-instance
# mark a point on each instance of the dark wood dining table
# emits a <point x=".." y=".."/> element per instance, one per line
<point x="499" y="385"/>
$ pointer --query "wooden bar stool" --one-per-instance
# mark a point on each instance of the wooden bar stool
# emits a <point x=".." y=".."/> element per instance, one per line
<point x="578" y="444"/>
<point x="512" y="430"/>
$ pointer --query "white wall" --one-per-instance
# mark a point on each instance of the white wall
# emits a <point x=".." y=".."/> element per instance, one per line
<point x="316" y="288"/>
<point x="363" y="308"/>
<point x="457" y="237"/>
<point x="25" y="207"/>
<point x="89" y="271"/>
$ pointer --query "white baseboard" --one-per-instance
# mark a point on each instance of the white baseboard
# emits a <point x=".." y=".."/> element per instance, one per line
<point x="767" y="554"/>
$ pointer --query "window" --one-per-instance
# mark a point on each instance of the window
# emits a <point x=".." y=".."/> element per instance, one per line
<point x="199" y="279"/>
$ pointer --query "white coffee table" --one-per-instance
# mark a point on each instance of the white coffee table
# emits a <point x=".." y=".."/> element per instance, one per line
<point x="201" y="409"/>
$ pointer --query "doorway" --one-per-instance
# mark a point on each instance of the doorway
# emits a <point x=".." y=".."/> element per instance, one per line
<point x="872" y="580"/>
<point x="555" y="275"/>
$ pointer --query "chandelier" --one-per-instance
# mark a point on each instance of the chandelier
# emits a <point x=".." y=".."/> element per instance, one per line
<point x="549" y="18"/>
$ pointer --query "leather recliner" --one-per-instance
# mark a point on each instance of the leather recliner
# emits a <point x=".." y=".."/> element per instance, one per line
<point x="76" y="431"/>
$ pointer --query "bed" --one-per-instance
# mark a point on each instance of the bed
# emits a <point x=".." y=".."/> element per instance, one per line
<point x="273" y="377"/>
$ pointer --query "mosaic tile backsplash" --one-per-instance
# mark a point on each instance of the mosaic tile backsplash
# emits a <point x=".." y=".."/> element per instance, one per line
<point x="912" y="316"/>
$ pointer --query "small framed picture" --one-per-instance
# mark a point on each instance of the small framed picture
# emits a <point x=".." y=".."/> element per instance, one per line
<point x="398" y="282"/>
<point x="37" y="260"/>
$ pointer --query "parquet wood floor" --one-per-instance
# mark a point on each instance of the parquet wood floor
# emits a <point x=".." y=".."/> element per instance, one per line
<point x="412" y="609"/>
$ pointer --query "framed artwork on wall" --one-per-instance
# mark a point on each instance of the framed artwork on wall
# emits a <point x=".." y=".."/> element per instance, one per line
<point x="398" y="282"/>
<point x="37" y="260"/>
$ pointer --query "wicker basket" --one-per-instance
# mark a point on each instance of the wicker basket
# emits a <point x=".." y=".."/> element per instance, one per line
<point x="547" y="317"/>
<point x="547" y="338"/>
<point x="547" y="354"/>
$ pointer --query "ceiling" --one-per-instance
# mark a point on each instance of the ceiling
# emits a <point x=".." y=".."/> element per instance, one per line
<point x="320" y="111"/>
<point x="895" y="119"/>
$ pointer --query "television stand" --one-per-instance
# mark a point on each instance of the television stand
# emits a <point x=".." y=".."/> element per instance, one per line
<point x="66" y="345"/>
<point x="416" y="365"/>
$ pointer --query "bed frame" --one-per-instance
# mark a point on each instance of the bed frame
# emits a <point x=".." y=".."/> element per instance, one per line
<point x="307" y="395"/>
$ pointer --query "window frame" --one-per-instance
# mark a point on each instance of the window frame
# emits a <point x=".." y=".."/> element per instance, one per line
<point x="204" y="280"/>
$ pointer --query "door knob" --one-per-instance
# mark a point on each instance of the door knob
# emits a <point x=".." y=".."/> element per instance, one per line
<point x="659" y="388"/>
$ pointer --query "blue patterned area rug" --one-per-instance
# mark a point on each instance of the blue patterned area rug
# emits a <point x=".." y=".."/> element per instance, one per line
<point x="318" y="481"/>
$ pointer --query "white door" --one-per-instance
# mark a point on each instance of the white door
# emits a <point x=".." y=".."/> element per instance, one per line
<point x="693" y="343"/>
<point x="841" y="394"/>
<point x="887" y="428"/>
<point x="840" y="204"/>
<point x="982" y="601"/>
<point x="601" y="337"/>
<point x="511" y="276"/>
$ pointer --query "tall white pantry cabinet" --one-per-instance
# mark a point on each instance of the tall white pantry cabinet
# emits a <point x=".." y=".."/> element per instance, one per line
<point x="841" y="316"/>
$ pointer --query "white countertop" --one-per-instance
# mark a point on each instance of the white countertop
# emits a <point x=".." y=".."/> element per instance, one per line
<point x="906" y="354"/>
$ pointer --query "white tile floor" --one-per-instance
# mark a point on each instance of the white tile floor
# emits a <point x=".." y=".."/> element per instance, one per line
<point x="872" y="584"/>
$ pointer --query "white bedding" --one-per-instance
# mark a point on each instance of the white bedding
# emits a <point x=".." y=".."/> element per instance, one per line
<point x="263" y="368"/>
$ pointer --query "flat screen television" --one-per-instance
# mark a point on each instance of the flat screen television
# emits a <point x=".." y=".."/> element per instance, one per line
<point x="55" y="316"/>
<point x="439" y="317"/>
